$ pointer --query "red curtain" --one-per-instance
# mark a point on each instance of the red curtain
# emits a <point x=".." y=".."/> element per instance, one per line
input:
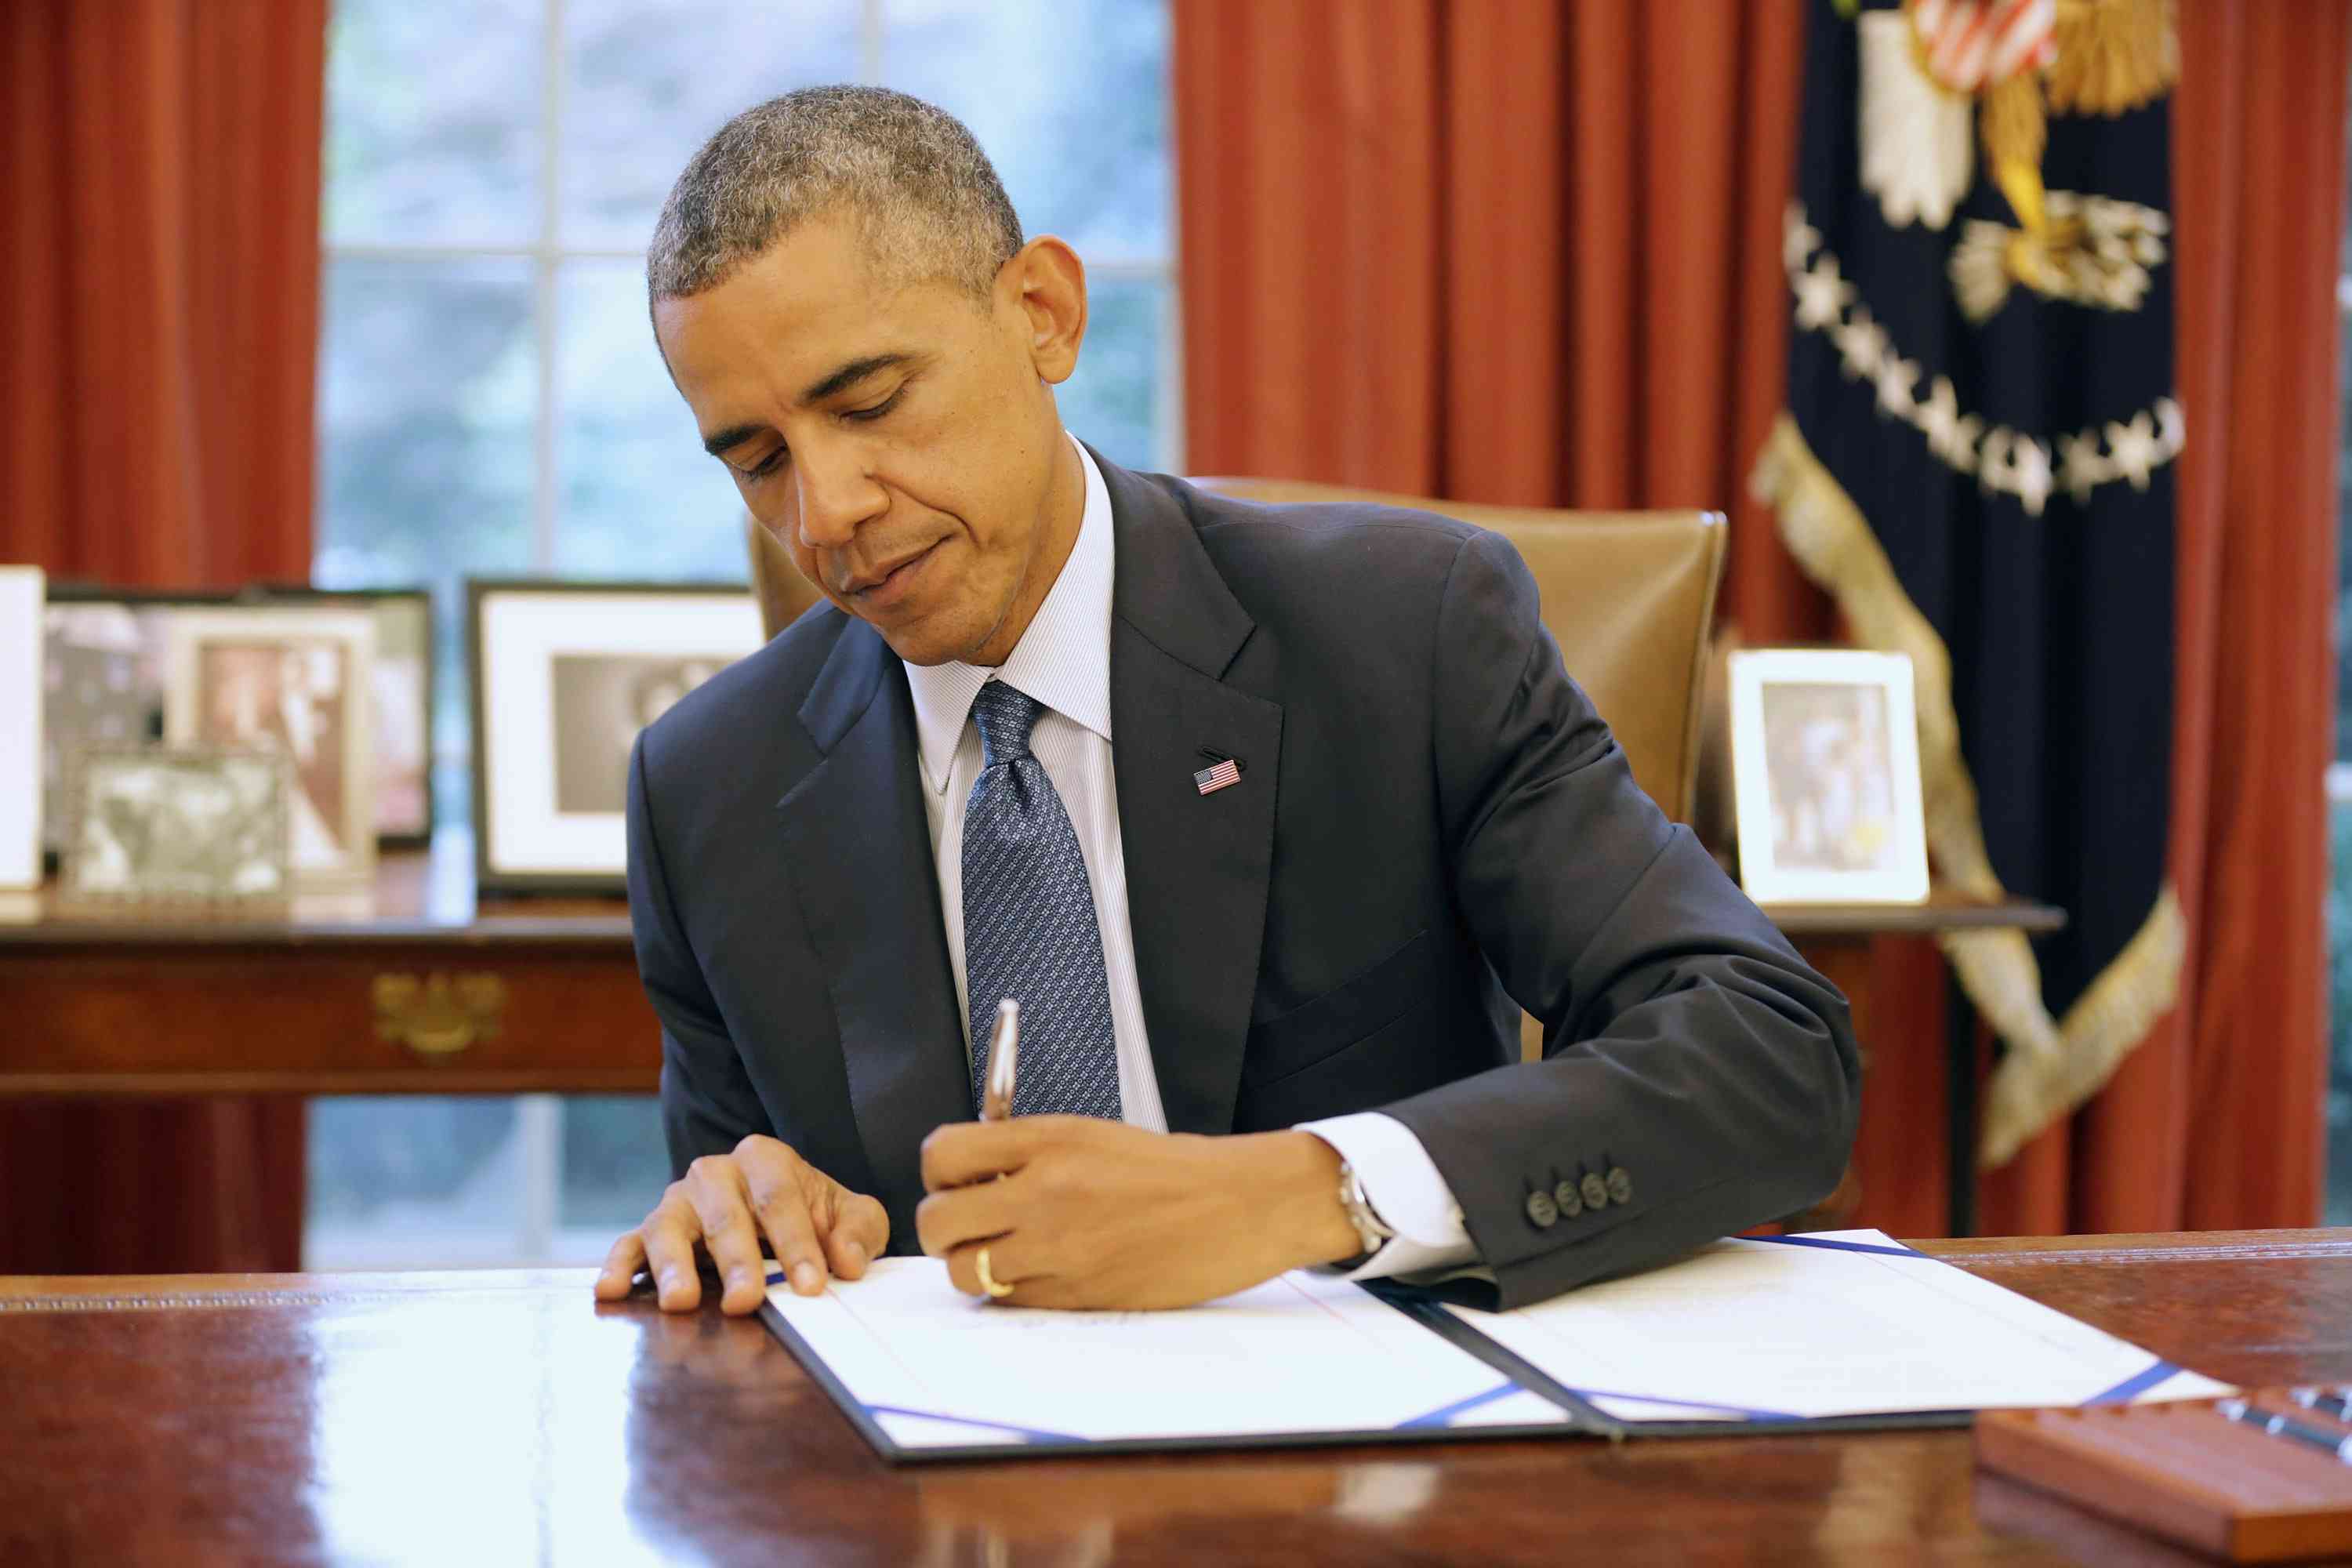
<point x="1530" y="254"/>
<point x="160" y="177"/>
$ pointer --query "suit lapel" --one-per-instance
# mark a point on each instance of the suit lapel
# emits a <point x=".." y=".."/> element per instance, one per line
<point x="1196" y="865"/>
<point x="868" y="889"/>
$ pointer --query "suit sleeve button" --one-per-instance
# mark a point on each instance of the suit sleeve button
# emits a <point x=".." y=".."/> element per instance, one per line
<point x="1621" y="1185"/>
<point x="1542" y="1210"/>
<point x="1569" y="1201"/>
<point x="1595" y="1190"/>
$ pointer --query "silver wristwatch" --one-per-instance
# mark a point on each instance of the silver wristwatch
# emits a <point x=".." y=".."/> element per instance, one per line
<point x="1371" y="1229"/>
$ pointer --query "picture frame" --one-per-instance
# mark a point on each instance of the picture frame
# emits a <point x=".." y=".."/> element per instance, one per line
<point x="402" y="699"/>
<point x="198" y="827"/>
<point x="1825" y="764"/>
<point x="102" y="658"/>
<point x="23" y="694"/>
<point x="297" y="679"/>
<point x="564" y="675"/>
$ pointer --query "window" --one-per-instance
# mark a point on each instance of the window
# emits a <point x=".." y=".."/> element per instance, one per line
<point x="491" y="402"/>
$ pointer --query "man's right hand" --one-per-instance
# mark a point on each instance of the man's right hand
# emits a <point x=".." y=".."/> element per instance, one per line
<point x="727" y="1205"/>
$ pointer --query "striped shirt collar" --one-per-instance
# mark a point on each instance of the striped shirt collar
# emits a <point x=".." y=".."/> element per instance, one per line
<point x="1063" y="660"/>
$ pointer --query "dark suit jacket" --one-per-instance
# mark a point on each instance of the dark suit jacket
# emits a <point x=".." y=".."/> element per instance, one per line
<point x="1432" y="822"/>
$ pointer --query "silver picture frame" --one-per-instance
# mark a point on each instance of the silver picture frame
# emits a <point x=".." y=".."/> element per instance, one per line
<point x="186" y="828"/>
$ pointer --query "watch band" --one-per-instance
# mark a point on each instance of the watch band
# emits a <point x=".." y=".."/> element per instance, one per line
<point x="1371" y="1230"/>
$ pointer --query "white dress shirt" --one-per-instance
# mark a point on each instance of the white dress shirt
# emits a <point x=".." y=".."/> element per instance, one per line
<point x="1063" y="660"/>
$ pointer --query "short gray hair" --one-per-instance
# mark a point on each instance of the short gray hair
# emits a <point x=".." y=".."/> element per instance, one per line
<point x="924" y="194"/>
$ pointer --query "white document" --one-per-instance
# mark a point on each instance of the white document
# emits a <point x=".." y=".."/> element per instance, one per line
<point x="1303" y="1353"/>
<point x="20" y="726"/>
<point x="1743" y="1333"/>
<point x="1844" y="1323"/>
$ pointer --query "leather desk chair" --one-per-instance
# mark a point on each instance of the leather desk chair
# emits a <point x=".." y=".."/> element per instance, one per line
<point x="1628" y="595"/>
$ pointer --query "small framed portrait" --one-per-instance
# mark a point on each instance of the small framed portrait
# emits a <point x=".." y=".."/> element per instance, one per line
<point x="22" y="692"/>
<point x="1825" y="764"/>
<point x="565" y="675"/>
<point x="402" y="699"/>
<point x="177" y="825"/>
<point x="294" y="679"/>
<point x="103" y="662"/>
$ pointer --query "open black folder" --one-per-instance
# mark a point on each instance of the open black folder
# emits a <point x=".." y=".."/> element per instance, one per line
<point x="1749" y="1335"/>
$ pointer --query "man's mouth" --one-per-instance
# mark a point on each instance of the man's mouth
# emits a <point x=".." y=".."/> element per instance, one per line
<point x="883" y="588"/>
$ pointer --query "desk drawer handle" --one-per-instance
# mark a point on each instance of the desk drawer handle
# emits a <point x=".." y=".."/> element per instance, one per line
<point x="437" y="1016"/>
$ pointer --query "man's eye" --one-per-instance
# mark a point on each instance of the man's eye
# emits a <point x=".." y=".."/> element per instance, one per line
<point x="877" y="410"/>
<point x="767" y="464"/>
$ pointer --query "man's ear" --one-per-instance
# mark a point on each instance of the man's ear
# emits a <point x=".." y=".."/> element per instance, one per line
<point x="1046" y="283"/>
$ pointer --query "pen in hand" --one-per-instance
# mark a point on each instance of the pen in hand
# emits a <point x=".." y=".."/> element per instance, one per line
<point x="1003" y="1062"/>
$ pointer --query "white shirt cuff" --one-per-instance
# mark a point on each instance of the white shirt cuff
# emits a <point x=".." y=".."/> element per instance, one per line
<point x="1401" y="1182"/>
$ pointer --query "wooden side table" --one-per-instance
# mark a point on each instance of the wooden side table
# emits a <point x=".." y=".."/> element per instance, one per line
<point x="407" y="988"/>
<point x="1836" y="939"/>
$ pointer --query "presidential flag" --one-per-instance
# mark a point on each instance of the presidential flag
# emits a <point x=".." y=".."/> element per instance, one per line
<point x="1976" y="460"/>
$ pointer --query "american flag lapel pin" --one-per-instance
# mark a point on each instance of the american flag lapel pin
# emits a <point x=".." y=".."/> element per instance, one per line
<point x="1222" y="773"/>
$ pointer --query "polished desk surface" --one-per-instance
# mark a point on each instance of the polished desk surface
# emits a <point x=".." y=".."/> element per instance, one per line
<point x="505" y="1417"/>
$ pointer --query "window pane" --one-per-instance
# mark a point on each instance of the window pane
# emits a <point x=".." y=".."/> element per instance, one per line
<point x="414" y="1182"/>
<point x="1111" y="401"/>
<point x="616" y="1163"/>
<point x="1069" y="97"/>
<point x="424" y="455"/>
<point x="639" y="496"/>
<point x="646" y="85"/>
<point x="433" y="117"/>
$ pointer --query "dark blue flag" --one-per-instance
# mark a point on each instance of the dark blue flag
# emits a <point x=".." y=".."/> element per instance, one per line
<point x="1977" y="461"/>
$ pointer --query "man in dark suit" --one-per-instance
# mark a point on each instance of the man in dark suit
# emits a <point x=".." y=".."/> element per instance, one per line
<point x="1270" y="817"/>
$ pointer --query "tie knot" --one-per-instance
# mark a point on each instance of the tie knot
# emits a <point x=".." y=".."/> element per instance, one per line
<point x="1005" y="717"/>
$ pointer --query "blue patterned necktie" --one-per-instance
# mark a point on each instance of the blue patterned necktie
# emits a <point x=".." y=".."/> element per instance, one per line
<point x="1029" y="929"/>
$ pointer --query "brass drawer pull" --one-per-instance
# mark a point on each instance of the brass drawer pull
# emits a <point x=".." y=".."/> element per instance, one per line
<point x="435" y="1015"/>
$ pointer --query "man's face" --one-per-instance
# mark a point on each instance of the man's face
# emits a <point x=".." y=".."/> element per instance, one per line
<point x="900" y="439"/>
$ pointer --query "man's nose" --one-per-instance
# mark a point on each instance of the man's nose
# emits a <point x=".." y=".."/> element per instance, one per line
<point x="835" y="493"/>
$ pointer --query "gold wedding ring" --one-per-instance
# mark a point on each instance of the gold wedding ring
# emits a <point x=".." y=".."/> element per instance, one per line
<point x="988" y="1282"/>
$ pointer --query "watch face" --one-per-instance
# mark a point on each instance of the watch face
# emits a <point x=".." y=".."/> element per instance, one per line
<point x="1371" y="1229"/>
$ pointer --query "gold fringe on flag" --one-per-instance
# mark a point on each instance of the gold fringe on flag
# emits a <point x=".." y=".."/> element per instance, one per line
<point x="2049" y="1068"/>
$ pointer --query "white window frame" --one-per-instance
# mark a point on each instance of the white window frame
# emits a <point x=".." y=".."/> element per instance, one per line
<point x="541" y="1238"/>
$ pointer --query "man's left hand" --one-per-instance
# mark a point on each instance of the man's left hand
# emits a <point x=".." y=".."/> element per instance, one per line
<point x="1100" y="1214"/>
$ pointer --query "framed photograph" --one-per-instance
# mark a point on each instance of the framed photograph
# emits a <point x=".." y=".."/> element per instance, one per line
<point x="564" y="677"/>
<point x="1825" y="763"/>
<point x="191" y="825"/>
<point x="102" y="665"/>
<point x="294" y="679"/>
<point x="402" y="698"/>
<point x="22" y="690"/>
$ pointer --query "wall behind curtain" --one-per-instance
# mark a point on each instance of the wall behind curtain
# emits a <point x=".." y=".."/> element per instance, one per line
<point x="159" y="174"/>
<point x="1530" y="254"/>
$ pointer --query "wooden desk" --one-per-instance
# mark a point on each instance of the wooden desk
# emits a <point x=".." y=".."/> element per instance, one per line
<point x="506" y="1418"/>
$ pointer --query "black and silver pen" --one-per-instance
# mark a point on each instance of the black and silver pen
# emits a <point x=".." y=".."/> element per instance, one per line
<point x="1003" y="1063"/>
<point x="2279" y="1425"/>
